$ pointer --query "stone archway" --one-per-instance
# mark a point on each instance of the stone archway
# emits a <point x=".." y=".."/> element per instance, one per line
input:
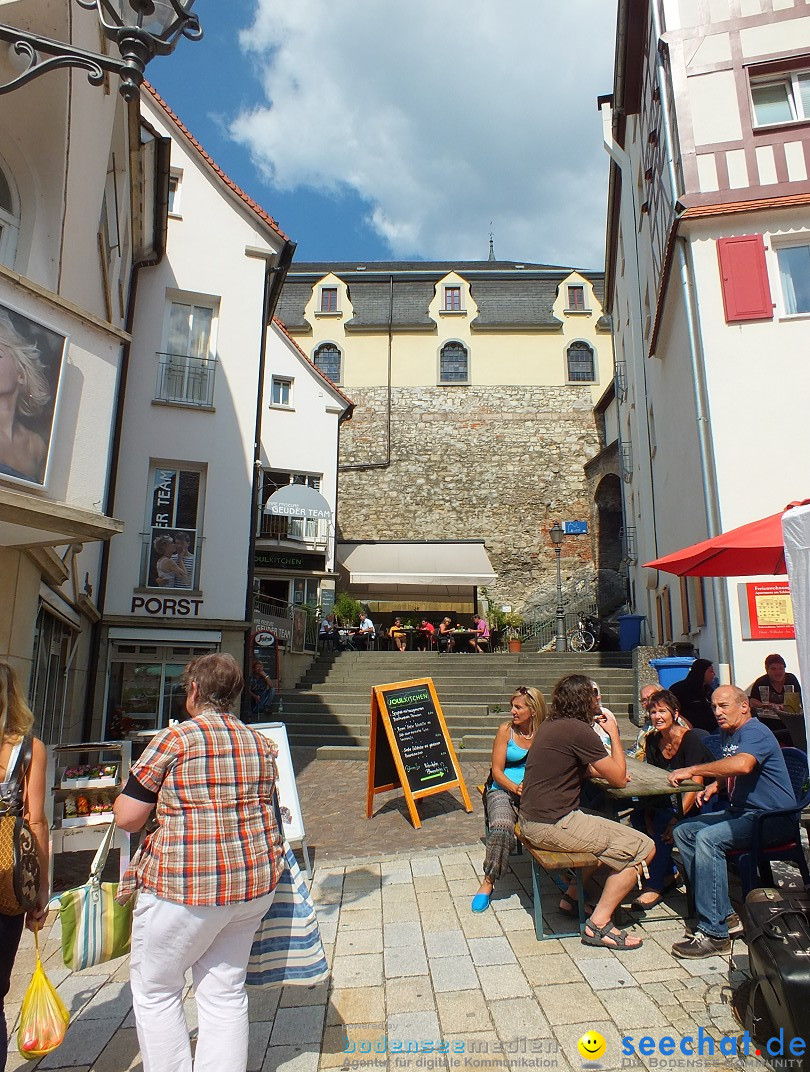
<point x="611" y="586"/>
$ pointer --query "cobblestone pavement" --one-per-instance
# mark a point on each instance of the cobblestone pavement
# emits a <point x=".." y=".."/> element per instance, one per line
<point x="410" y="961"/>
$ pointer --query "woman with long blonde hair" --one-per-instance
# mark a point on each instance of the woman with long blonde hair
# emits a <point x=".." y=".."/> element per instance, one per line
<point x="22" y="789"/>
<point x="505" y="784"/>
<point x="24" y="393"/>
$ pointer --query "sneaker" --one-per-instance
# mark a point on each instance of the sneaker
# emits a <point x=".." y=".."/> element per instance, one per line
<point x="700" y="945"/>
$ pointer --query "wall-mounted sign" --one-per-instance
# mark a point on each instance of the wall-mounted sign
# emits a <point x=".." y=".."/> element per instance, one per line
<point x="167" y="606"/>
<point x="288" y="560"/>
<point x="766" y="611"/>
<point x="281" y="627"/>
<point x="298" y="500"/>
<point x="575" y="528"/>
<point x="410" y="746"/>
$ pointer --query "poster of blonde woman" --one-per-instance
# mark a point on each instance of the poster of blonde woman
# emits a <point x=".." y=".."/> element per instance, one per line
<point x="31" y="358"/>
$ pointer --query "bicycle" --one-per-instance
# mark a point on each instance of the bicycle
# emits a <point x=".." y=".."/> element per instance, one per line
<point x="581" y="639"/>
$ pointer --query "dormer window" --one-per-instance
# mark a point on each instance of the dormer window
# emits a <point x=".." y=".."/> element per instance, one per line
<point x="575" y="302"/>
<point x="452" y="299"/>
<point x="329" y="302"/>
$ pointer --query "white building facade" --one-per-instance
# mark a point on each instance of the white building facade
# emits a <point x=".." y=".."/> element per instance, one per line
<point x="188" y="476"/>
<point x="79" y="207"/>
<point x="302" y="411"/>
<point x="708" y="285"/>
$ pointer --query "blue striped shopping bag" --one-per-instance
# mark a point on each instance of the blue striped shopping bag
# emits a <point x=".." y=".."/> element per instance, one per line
<point x="287" y="949"/>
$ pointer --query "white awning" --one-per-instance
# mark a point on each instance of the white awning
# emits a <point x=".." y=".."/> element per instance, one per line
<point x="298" y="500"/>
<point x="431" y="564"/>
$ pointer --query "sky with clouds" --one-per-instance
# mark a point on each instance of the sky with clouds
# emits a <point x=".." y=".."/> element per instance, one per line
<point x="377" y="130"/>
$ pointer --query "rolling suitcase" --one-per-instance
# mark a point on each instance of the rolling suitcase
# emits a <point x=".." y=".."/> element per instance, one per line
<point x="778" y="934"/>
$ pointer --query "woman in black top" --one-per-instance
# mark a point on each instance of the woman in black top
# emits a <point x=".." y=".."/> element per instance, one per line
<point x="694" y="696"/>
<point x="670" y="745"/>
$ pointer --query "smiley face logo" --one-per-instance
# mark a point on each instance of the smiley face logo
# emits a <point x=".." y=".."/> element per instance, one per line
<point x="592" y="1046"/>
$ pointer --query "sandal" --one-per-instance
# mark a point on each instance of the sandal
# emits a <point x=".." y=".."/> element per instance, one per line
<point x="571" y="907"/>
<point x="618" y="938"/>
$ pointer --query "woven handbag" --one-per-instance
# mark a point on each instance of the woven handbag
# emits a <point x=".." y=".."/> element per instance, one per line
<point x="287" y="949"/>
<point x="95" y="928"/>
<point x="19" y="861"/>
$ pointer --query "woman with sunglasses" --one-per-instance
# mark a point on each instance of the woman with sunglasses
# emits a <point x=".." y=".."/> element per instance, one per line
<point x="504" y="786"/>
<point x="670" y="745"/>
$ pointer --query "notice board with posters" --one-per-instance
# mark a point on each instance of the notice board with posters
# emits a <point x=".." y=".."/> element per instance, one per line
<point x="766" y="611"/>
<point x="410" y="746"/>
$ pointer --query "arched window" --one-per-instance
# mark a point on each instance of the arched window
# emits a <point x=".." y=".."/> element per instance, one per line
<point x="581" y="363"/>
<point x="9" y="220"/>
<point x="454" y="363"/>
<point x="327" y="361"/>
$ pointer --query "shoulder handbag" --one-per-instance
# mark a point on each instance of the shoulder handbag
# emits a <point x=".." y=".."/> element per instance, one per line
<point x="19" y="861"/>
<point x="287" y="948"/>
<point x="95" y="928"/>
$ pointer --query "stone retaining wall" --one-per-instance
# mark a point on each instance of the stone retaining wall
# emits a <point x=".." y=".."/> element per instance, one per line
<point x="497" y="463"/>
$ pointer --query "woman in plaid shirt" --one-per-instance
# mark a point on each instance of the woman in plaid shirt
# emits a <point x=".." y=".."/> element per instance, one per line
<point x="205" y="877"/>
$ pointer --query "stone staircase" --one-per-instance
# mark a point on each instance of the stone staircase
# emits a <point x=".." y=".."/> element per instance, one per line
<point x="329" y="708"/>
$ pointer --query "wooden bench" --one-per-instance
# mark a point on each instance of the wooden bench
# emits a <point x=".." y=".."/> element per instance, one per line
<point x="552" y="861"/>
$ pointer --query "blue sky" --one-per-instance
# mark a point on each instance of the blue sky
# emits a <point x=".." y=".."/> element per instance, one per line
<point x="373" y="131"/>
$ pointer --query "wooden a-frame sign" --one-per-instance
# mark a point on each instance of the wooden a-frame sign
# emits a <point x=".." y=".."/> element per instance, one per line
<point x="415" y="751"/>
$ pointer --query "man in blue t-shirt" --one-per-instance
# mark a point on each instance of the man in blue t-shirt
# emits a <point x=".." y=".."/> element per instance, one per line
<point x="753" y="759"/>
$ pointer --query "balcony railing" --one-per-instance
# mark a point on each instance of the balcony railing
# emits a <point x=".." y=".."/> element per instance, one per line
<point x="273" y="527"/>
<point x="185" y="379"/>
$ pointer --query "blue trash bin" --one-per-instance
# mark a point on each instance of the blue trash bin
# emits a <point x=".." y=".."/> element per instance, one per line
<point x="630" y="631"/>
<point x="672" y="669"/>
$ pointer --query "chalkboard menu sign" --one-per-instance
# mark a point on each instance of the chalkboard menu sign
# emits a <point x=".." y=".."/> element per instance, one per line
<point x="414" y="751"/>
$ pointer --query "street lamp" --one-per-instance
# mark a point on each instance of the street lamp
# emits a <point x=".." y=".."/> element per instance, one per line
<point x="141" y="30"/>
<point x="556" y="535"/>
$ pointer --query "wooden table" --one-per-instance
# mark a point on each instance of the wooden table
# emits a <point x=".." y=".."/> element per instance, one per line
<point x="645" y="781"/>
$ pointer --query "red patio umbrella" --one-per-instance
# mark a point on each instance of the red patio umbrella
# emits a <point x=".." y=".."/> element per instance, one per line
<point x="742" y="552"/>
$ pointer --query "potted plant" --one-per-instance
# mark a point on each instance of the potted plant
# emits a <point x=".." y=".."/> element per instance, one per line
<point x="512" y="623"/>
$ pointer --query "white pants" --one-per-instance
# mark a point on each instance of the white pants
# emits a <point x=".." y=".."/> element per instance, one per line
<point x="214" y="941"/>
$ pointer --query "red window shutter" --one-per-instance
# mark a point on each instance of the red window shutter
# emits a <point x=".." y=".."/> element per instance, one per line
<point x="744" y="278"/>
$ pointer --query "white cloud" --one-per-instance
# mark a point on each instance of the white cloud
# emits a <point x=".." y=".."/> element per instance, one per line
<point x="443" y="115"/>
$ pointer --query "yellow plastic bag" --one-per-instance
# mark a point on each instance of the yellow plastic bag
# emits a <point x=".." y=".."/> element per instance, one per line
<point x="43" y="1017"/>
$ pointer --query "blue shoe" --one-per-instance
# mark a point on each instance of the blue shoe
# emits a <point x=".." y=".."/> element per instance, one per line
<point x="480" y="903"/>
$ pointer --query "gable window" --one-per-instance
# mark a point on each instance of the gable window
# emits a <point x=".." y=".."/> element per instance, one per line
<point x="281" y="392"/>
<point x="783" y="98"/>
<point x="454" y="363"/>
<point x="327" y="361"/>
<point x="581" y="363"/>
<point x="175" y="182"/>
<point x="329" y="302"/>
<point x="9" y="221"/>
<point x="794" y="278"/>
<point x="452" y="299"/>
<point x="576" y="300"/>
<point x="186" y="367"/>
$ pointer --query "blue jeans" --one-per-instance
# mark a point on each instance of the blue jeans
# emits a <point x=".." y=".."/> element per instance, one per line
<point x="661" y="867"/>
<point x="703" y="842"/>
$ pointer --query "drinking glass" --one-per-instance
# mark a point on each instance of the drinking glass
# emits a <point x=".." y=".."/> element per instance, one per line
<point x="764" y="693"/>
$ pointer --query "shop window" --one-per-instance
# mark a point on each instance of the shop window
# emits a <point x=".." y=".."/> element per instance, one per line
<point x="172" y="550"/>
<point x="145" y="688"/>
<point x="52" y="643"/>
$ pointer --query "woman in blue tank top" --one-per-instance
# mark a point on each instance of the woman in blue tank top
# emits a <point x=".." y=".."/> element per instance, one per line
<point x="503" y="788"/>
